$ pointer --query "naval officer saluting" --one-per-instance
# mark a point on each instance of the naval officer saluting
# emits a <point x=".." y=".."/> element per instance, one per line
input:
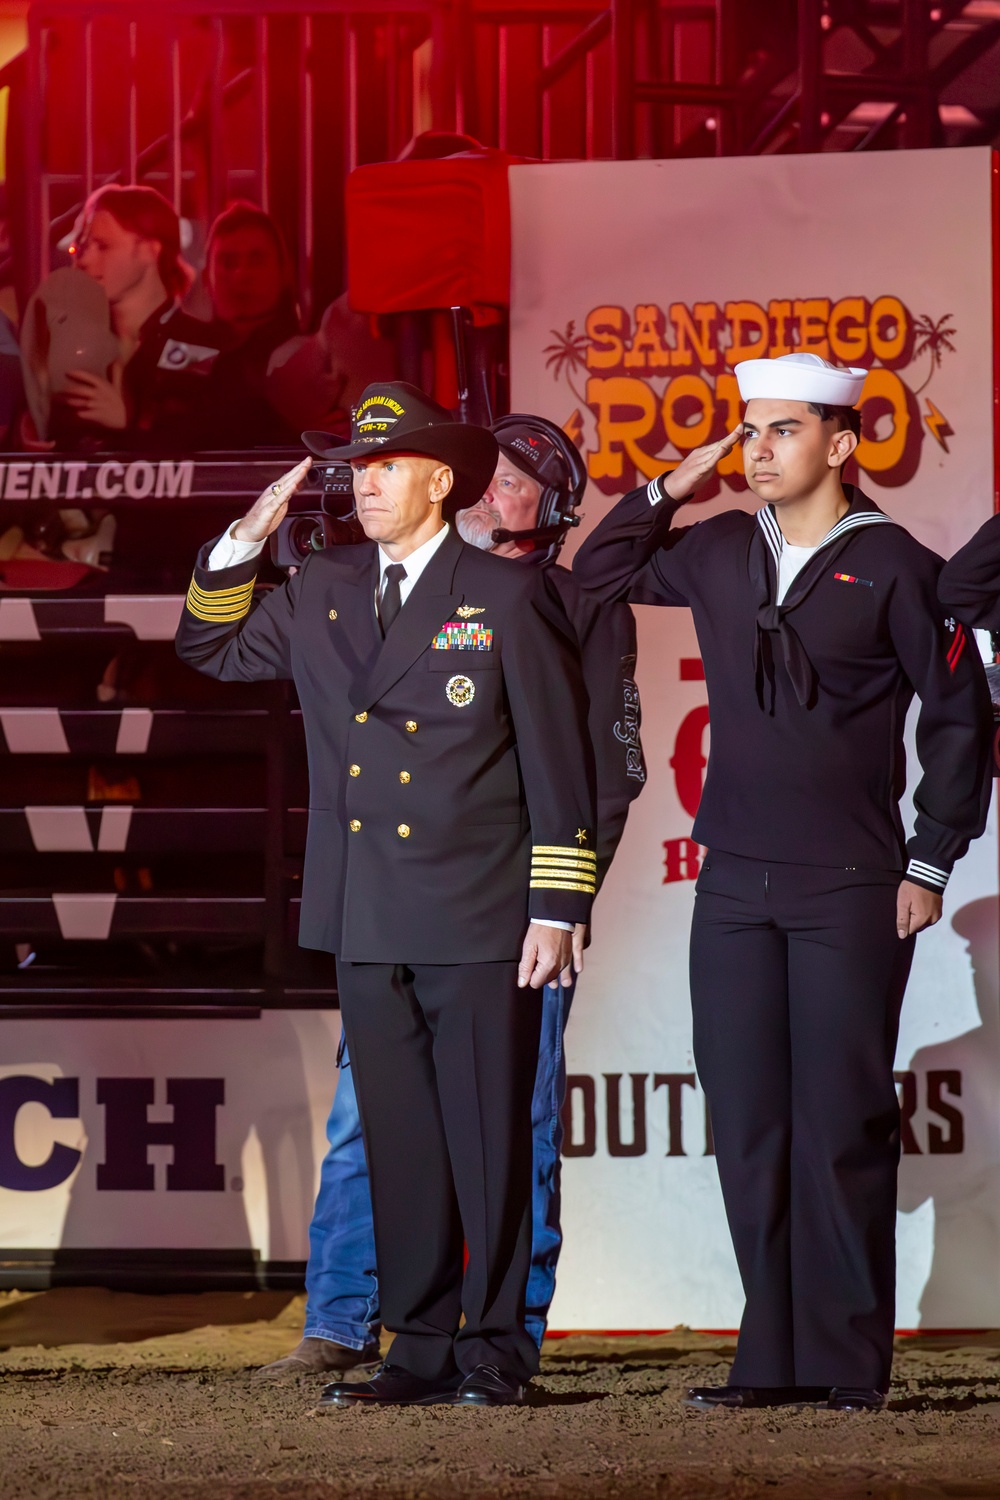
<point x="450" y="853"/>
<point x="818" y="620"/>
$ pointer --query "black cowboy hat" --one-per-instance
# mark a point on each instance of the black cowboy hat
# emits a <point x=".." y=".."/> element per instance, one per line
<point x="393" y="417"/>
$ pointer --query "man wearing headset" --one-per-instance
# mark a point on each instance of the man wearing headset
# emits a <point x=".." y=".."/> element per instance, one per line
<point x="525" y="515"/>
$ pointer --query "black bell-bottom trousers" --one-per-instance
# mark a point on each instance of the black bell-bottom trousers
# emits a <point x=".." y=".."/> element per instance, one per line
<point x="444" y="1060"/>
<point x="797" y="980"/>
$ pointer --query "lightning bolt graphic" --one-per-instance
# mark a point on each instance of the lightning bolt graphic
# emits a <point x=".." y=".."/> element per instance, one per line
<point x="937" y="424"/>
<point x="573" y="428"/>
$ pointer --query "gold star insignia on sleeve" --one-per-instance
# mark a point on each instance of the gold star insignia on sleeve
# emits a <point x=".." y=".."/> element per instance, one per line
<point x="581" y="835"/>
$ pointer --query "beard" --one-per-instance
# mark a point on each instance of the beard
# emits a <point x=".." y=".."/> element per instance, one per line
<point x="477" y="525"/>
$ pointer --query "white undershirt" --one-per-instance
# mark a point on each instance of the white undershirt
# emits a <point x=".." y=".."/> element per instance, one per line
<point x="793" y="560"/>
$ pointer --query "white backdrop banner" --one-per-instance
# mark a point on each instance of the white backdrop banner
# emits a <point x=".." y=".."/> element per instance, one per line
<point x="173" y="1134"/>
<point x="636" y="288"/>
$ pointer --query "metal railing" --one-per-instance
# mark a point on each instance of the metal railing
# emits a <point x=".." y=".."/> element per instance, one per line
<point x="277" y="100"/>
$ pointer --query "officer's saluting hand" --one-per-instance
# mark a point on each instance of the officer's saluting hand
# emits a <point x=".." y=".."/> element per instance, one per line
<point x="271" y="506"/>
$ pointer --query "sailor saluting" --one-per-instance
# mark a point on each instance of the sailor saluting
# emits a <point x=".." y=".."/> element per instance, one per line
<point x="818" y="620"/>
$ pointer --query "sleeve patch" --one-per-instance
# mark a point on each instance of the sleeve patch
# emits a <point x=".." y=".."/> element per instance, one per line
<point x="958" y="644"/>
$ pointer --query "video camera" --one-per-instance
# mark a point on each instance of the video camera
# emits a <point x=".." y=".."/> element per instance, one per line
<point x="306" y="531"/>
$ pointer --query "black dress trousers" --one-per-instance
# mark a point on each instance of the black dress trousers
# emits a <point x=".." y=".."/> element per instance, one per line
<point x="444" y="1059"/>
<point x="797" y="980"/>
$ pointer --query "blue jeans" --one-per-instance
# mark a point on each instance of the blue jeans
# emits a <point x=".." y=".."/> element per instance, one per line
<point x="341" y="1280"/>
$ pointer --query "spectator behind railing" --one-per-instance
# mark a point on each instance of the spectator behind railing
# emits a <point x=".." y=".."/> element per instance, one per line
<point x="156" y="397"/>
<point x="315" y="379"/>
<point x="249" y="279"/>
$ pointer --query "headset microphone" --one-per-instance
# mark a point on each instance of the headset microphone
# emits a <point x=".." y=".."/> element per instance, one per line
<point x="543" y="451"/>
<point x="547" y="534"/>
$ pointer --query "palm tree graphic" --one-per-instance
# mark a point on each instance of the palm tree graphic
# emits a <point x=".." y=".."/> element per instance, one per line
<point x="933" y="338"/>
<point x="569" y="352"/>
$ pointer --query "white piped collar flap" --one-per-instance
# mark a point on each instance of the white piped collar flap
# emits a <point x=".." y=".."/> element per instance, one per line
<point x="853" y="520"/>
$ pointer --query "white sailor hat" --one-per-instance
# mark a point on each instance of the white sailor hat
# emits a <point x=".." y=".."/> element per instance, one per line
<point x="800" y="377"/>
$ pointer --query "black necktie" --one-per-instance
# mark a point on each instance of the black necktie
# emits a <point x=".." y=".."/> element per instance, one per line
<point x="391" y="601"/>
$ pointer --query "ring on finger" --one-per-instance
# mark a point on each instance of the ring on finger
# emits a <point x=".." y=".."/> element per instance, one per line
<point x="276" y="489"/>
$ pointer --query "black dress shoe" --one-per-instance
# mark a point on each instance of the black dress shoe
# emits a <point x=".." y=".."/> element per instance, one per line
<point x="390" y="1386"/>
<point x="848" y="1398"/>
<point x="488" y="1386"/>
<point x="754" y="1398"/>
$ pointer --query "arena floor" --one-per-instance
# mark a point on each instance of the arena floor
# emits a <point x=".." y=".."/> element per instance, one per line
<point x="105" y="1395"/>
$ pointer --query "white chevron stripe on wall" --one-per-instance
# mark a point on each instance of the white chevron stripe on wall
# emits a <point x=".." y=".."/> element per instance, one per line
<point x="33" y="731"/>
<point x="86" y="917"/>
<point x="134" y="729"/>
<point x="59" y="828"/>
<point x="17" y="621"/>
<point x="65" y="830"/>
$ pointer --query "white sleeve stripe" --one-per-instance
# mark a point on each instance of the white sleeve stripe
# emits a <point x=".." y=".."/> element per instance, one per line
<point x="653" y="492"/>
<point x="931" y="873"/>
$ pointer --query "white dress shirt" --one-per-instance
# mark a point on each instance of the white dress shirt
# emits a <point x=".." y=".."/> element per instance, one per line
<point x="414" y="564"/>
<point x="227" y="552"/>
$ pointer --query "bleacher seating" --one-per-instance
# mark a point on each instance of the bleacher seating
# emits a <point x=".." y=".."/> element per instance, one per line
<point x="152" y="822"/>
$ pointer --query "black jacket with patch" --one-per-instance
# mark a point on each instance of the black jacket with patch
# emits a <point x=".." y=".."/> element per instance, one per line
<point x="451" y="776"/>
<point x="969" y="586"/>
<point x="809" y="698"/>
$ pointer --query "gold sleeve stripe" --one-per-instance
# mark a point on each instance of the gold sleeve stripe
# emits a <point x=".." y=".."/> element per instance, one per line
<point x="562" y="859"/>
<point x="208" y="602"/>
<point x="241" y="605"/>
<point x="562" y="885"/>
<point x="222" y="595"/>
<point x="219" y="609"/>
<point x="226" y="619"/>
<point x="568" y="850"/>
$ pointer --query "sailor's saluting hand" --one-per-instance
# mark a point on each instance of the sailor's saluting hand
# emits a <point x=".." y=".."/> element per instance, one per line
<point x="691" y="473"/>
<point x="268" y="510"/>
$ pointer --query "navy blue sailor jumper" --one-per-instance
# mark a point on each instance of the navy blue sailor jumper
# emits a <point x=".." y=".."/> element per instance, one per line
<point x="809" y="697"/>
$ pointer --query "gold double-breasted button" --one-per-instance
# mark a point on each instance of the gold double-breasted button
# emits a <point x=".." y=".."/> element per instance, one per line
<point x="404" y="777"/>
<point x="355" y="825"/>
<point x="403" y="830"/>
<point x="333" y="614"/>
<point x="411" y="726"/>
<point x="362" y="717"/>
<point x="354" y="770"/>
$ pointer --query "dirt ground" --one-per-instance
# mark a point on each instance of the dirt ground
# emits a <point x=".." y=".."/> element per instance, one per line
<point x="107" y="1395"/>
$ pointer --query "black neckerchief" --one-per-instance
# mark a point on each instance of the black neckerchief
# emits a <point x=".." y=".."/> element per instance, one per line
<point x="763" y="562"/>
